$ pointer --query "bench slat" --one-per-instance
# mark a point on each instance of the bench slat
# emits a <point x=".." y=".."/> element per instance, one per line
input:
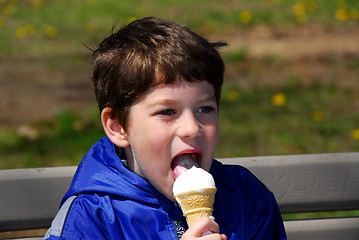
<point x="30" y="197"/>
<point x="323" y="229"/>
<point x="312" y="182"/>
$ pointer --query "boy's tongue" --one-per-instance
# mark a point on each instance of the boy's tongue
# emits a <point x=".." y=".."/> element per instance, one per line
<point x="182" y="163"/>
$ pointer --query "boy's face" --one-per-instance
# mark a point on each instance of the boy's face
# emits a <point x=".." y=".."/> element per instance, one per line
<point x="171" y="125"/>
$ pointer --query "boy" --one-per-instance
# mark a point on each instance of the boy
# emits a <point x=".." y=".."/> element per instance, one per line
<point x="158" y="87"/>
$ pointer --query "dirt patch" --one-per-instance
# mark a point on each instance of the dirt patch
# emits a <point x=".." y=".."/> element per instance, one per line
<point x="31" y="90"/>
<point x="320" y="54"/>
<point x="296" y="43"/>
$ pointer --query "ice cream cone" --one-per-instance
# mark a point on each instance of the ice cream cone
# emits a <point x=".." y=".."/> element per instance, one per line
<point x="196" y="204"/>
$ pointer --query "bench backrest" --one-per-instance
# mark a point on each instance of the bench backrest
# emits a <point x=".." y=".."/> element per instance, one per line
<point x="30" y="197"/>
<point x="311" y="182"/>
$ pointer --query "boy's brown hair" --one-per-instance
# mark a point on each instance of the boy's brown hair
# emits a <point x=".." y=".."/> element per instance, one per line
<point x="149" y="52"/>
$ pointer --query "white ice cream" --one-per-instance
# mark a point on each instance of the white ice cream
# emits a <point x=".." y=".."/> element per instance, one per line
<point x="193" y="179"/>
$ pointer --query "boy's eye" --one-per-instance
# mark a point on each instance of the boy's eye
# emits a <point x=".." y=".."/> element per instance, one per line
<point x="167" y="112"/>
<point x="205" y="109"/>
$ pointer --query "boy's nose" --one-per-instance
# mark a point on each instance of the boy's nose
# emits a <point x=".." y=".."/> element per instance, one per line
<point x="189" y="126"/>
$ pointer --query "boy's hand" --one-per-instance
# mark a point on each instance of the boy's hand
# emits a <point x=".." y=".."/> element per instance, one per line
<point x="204" y="229"/>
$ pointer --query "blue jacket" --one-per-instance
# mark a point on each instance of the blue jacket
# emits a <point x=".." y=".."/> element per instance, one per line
<point x="108" y="201"/>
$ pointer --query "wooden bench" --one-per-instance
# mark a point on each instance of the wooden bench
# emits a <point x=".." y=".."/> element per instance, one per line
<point x="301" y="183"/>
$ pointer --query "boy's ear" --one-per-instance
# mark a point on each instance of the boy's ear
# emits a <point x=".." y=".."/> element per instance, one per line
<point x="113" y="129"/>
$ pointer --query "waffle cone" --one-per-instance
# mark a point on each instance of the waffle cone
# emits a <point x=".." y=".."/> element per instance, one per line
<point x="196" y="204"/>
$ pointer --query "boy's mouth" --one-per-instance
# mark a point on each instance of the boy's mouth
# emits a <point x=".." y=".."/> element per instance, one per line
<point x="184" y="161"/>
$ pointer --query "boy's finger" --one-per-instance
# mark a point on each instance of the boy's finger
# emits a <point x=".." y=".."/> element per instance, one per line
<point x="214" y="236"/>
<point x="202" y="226"/>
<point x="224" y="237"/>
<point x="207" y="233"/>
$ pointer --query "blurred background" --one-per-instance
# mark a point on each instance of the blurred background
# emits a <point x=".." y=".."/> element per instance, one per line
<point x="291" y="81"/>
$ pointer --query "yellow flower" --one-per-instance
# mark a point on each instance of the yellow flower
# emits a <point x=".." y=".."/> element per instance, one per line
<point x="317" y="116"/>
<point x="49" y="31"/>
<point x="9" y="9"/>
<point x="233" y="95"/>
<point x="245" y="16"/>
<point x="20" y="32"/>
<point x="355" y="134"/>
<point x="300" y="12"/>
<point x="278" y="99"/>
<point x="341" y="14"/>
<point x="299" y="9"/>
<point x="37" y="3"/>
<point x="354" y="14"/>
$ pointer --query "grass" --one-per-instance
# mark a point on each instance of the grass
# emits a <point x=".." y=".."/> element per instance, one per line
<point x="287" y="120"/>
<point x="30" y="26"/>
<point x="60" y="142"/>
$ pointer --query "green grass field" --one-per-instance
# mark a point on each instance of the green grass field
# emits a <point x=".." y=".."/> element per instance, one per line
<point x="33" y="26"/>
